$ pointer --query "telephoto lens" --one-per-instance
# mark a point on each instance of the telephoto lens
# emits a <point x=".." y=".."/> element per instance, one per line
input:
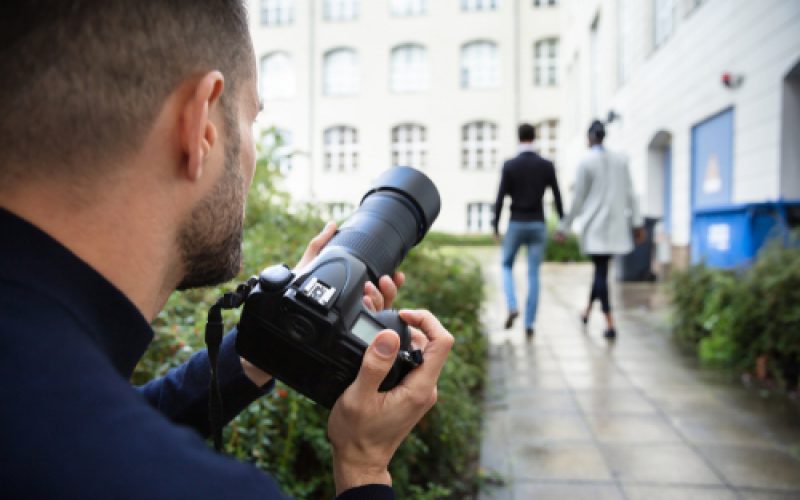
<point x="394" y="215"/>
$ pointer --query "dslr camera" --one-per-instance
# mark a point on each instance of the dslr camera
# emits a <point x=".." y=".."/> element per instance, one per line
<point x="309" y="328"/>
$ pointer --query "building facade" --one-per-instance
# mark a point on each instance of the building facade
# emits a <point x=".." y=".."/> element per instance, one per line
<point x="357" y="86"/>
<point x="703" y="96"/>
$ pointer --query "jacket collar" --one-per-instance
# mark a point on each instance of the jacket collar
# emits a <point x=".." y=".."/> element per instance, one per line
<point x="30" y="259"/>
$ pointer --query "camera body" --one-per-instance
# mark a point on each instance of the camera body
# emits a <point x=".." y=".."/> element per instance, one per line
<point x="310" y="328"/>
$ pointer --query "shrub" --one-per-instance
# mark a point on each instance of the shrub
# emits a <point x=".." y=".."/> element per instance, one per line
<point x="284" y="433"/>
<point x="734" y="319"/>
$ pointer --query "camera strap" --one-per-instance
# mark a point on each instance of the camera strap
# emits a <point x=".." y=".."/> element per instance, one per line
<point x="213" y="337"/>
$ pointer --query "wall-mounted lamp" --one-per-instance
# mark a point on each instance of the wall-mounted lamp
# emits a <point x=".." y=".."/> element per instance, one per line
<point x="732" y="80"/>
<point x="612" y="116"/>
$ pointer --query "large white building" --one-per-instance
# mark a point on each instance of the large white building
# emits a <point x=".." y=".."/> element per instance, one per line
<point x="706" y="98"/>
<point x="441" y="85"/>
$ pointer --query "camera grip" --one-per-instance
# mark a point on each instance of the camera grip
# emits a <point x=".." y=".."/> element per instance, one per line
<point x="406" y="359"/>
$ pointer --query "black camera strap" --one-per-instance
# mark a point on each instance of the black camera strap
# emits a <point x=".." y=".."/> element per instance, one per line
<point x="213" y="337"/>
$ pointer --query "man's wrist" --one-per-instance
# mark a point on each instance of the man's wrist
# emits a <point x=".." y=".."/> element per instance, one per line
<point x="347" y="476"/>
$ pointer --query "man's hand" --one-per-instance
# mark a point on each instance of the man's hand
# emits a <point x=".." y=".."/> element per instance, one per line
<point x="639" y="235"/>
<point x="366" y="426"/>
<point x="315" y="246"/>
<point x="496" y="237"/>
<point x="381" y="297"/>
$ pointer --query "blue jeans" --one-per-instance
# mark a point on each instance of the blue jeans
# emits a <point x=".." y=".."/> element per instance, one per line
<point x="534" y="235"/>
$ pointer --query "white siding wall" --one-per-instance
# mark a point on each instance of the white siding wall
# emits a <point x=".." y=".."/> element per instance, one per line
<point x="678" y="85"/>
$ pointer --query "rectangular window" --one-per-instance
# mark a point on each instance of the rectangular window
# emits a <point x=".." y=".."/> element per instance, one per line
<point x="664" y="22"/>
<point x="545" y="64"/>
<point x="479" y="5"/>
<point x="402" y="8"/>
<point x="479" y="148"/>
<point x="277" y="12"/>
<point x="479" y="217"/>
<point x="341" y="10"/>
<point x="547" y="139"/>
<point x="341" y="149"/>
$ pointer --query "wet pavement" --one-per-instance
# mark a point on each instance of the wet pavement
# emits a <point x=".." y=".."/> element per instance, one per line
<point x="571" y="416"/>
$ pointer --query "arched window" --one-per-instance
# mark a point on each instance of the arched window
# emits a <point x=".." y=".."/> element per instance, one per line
<point x="277" y="76"/>
<point x="409" y="7"/>
<point x="341" y="72"/>
<point x="277" y="12"/>
<point x="545" y="63"/>
<point x="409" y="145"/>
<point x="479" y="146"/>
<point x="341" y="10"/>
<point x="341" y="149"/>
<point x="480" y="65"/>
<point x="409" y="68"/>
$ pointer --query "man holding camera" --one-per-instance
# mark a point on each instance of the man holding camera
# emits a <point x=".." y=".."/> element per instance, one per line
<point x="126" y="151"/>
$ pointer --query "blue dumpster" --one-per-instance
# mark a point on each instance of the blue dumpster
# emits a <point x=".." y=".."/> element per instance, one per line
<point x="731" y="236"/>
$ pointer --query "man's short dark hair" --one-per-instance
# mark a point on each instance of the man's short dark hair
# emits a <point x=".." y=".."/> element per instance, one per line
<point x="84" y="80"/>
<point x="526" y="133"/>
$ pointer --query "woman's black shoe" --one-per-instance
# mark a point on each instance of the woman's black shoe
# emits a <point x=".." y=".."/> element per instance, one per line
<point x="529" y="333"/>
<point x="610" y="334"/>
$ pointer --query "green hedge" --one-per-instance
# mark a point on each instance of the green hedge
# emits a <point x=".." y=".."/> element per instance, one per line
<point x="738" y="319"/>
<point x="568" y="251"/>
<point x="284" y="433"/>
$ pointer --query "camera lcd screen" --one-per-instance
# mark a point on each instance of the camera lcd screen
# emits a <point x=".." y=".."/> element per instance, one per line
<point x="366" y="328"/>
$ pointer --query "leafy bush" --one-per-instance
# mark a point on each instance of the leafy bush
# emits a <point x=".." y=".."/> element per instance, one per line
<point x="284" y="433"/>
<point x="735" y="319"/>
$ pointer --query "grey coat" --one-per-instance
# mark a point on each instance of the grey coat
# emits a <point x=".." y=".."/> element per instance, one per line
<point x="605" y="203"/>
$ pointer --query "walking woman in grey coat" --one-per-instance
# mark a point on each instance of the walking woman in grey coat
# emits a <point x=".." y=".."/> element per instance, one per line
<point x="606" y="205"/>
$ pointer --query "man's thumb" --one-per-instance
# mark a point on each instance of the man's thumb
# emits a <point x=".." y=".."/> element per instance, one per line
<point x="378" y="360"/>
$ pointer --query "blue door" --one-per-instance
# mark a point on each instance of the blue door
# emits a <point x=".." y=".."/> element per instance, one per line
<point x="712" y="161"/>
<point x="712" y="173"/>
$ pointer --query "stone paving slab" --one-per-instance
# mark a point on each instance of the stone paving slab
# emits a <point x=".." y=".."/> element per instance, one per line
<point x="569" y="415"/>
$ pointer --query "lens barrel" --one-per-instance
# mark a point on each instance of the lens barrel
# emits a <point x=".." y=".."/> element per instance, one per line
<point x="394" y="215"/>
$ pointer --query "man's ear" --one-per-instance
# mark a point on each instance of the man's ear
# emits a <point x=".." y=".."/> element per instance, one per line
<point x="198" y="133"/>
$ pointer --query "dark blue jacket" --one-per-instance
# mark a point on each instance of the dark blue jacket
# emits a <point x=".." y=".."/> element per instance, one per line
<point x="71" y="425"/>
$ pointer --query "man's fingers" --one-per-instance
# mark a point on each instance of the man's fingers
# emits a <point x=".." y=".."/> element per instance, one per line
<point x="399" y="278"/>
<point x="319" y="241"/>
<point x="418" y="339"/>
<point x="372" y="297"/>
<point x="378" y="360"/>
<point x="388" y="291"/>
<point x="435" y="354"/>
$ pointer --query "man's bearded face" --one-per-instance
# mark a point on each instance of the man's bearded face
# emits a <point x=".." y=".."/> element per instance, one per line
<point x="211" y="241"/>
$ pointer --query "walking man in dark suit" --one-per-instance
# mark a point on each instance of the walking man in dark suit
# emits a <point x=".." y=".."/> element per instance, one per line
<point x="525" y="178"/>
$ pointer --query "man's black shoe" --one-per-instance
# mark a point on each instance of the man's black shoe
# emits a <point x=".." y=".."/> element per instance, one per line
<point x="529" y="333"/>
<point x="610" y="334"/>
<point x="512" y="315"/>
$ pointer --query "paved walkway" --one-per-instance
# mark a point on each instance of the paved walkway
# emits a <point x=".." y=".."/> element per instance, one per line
<point x="570" y="416"/>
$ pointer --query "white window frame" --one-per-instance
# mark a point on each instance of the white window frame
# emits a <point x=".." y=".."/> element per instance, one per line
<point x="276" y="12"/>
<point x="409" y="70"/>
<point x="408" y="8"/>
<point x="479" y="146"/>
<point x="280" y="143"/>
<point x="479" y="216"/>
<point x="664" y="18"/>
<point x="479" y="5"/>
<point x="547" y="139"/>
<point x="480" y="65"/>
<point x="545" y="62"/>
<point x="341" y="72"/>
<point x="341" y="10"/>
<point x="277" y="76"/>
<point x="341" y="148"/>
<point x="339" y="210"/>
<point x="409" y="145"/>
